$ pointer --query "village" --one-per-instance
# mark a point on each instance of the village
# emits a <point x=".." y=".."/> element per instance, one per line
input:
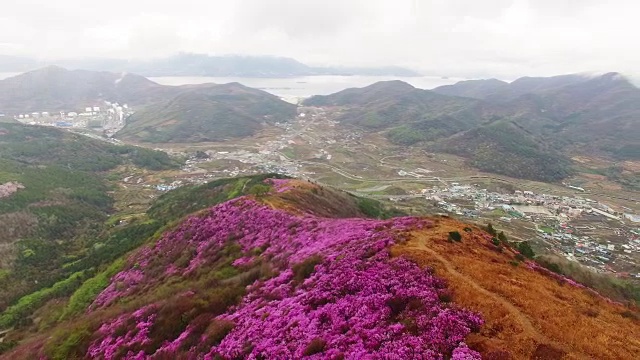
<point x="578" y="228"/>
<point x="107" y="118"/>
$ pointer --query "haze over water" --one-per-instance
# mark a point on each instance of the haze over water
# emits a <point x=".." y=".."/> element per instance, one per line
<point x="305" y="86"/>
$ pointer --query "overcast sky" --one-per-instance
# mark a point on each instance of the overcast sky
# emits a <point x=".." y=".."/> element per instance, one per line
<point x="501" y="38"/>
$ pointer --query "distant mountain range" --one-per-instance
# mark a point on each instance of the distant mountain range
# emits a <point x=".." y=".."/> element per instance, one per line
<point x="528" y="128"/>
<point x="189" y="113"/>
<point x="185" y="64"/>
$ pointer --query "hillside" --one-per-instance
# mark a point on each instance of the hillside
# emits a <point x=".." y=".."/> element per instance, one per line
<point x="294" y="270"/>
<point x="504" y="148"/>
<point x="207" y="113"/>
<point x="54" y="200"/>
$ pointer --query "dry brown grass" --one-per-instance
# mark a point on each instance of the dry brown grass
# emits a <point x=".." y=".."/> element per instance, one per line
<point x="527" y="314"/>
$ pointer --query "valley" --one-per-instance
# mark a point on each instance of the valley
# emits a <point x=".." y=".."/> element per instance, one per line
<point x="141" y="175"/>
<point x="590" y="225"/>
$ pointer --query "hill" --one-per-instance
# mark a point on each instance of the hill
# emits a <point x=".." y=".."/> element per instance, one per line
<point x="504" y="148"/>
<point x="189" y="113"/>
<point x="388" y="104"/>
<point x="463" y="126"/>
<point x="189" y="64"/>
<point x="56" y="89"/>
<point x="226" y="280"/>
<point x="477" y="89"/>
<point x="207" y="113"/>
<point x="598" y="112"/>
<point x="54" y="201"/>
<point x="536" y="123"/>
<point x="497" y="90"/>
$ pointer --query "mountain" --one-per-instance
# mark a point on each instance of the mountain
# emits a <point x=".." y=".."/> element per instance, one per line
<point x="189" y="113"/>
<point x="232" y="65"/>
<point x="57" y="89"/>
<point x="536" y="123"/>
<point x="597" y="112"/>
<point x="453" y="124"/>
<point x="477" y="89"/>
<point x="268" y="267"/>
<point x="498" y="90"/>
<point x="388" y="104"/>
<point x="207" y="113"/>
<point x="188" y="64"/>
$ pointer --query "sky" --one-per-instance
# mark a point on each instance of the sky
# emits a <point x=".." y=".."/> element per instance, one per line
<point x="472" y="38"/>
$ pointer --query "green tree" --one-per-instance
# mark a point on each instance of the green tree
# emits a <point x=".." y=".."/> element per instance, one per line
<point x="525" y="249"/>
<point x="491" y="230"/>
<point x="259" y="190"/>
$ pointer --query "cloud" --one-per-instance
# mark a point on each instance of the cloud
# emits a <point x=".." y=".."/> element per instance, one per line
<point x="501" y="38"/>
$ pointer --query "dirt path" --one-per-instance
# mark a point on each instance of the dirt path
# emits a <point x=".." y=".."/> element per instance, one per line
<point x="528" y="327"/>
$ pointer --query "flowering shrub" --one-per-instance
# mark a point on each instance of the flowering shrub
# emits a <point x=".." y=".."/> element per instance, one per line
<point x="336" y="292"/>
<point x="117" y="340"/>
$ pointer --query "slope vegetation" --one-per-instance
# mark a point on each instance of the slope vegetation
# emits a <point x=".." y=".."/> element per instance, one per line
<point x="529" y="312"/>
<point x="54" y="201"/>
<point x="269" y="275"/>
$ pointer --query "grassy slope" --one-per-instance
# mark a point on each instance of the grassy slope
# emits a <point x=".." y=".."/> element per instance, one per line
<point x="528" y="314"/>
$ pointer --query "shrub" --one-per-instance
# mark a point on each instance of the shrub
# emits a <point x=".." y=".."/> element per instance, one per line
<point x="495" y="241"/>
<point x="468" y="229"/>
<point x="491" y="230"/>
<point x="630" y="315"/>
<point x="7" y="345"/>
<point x="455" y="236"/>
<point x="259" y="190"/>
<point x="502" y="237"/>
<point x="304" y="269"/>
<point x="217" y="331"/>
<point x="525" y="249"/>
<point x="519" y="257"/>
<point x="17" y="313"/>
<point x="316" y="346"/>
<point x="89" y="290"/>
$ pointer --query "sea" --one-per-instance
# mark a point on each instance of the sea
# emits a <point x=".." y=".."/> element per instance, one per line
<point x="300" y="87"/>
<point x="306" y="86"/>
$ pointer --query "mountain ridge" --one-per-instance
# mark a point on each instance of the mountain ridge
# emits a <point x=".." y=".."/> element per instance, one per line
<point x="245" y="265"/>
<point x="556" y="117"/>
<point x="191" y="64"/>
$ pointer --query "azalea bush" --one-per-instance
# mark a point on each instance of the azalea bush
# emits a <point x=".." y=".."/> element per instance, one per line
<point x="318" y="288"/>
